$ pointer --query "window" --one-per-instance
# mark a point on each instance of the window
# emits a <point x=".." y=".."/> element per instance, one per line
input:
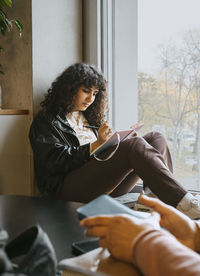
<point x="150" y="54"/>
<point x="169" y="80"/>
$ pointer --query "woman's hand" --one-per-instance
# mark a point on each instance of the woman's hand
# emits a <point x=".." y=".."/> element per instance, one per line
<point x="178" y="224"/>
<point x="117" y="233"/>
<point x="104" y="133"/>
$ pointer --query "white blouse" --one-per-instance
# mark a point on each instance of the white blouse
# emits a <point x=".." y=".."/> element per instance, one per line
<point x="77" y="121"/>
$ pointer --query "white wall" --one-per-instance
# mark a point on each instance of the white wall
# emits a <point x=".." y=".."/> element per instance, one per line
<point x="57" y="41"/>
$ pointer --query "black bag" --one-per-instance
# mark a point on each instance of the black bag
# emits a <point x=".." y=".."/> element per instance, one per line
<point x="29" y="254"/>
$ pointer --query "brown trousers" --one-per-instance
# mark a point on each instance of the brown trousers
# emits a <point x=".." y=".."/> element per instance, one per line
<point x="146" y="157"/>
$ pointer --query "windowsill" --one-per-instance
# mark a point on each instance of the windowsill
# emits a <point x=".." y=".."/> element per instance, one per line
<point x="13" y="111"/>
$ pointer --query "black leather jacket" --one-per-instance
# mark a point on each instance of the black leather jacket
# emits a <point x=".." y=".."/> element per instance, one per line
<point x="56" y="150"/>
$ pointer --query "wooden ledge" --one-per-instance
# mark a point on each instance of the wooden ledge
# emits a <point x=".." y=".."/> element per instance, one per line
<point x="13" y="111"/>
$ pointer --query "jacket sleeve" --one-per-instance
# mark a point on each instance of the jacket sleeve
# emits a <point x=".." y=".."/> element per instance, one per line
<point x="52" y="153"/>
<point x="158" y="253"/>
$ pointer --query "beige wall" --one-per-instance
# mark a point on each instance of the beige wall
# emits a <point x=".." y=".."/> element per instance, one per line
<point x="14" y="155"/>
<point x="52" y="40"/>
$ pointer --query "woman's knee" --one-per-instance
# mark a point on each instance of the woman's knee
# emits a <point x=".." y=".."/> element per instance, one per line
<point x="153" y="136"/>
<point x="157" y="140"/>
<point x="153" y="139"/>
<point x="134" y="145"/>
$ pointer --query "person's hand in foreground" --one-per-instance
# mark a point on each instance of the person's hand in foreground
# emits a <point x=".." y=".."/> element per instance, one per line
<point x="117" y="233"/>
<point x="178" y="224"/>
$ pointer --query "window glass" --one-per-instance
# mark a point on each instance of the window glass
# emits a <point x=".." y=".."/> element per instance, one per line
<point x="169" y="80"/>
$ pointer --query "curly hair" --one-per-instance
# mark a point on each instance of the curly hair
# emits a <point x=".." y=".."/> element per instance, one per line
<point x="60" y="96"/>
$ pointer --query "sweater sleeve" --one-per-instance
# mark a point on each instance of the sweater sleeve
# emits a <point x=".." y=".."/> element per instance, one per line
<point x="198" y="236"/>
<point x="158" y="253"/>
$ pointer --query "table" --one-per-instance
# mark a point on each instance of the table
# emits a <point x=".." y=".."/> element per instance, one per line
<point x="56" y="217"/>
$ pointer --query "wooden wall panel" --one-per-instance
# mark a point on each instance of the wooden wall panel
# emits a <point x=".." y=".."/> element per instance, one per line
<point x="15" y="159"/>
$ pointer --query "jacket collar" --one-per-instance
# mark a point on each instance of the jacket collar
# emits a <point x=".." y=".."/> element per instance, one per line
<point x="63" y="120"/>
<point x="62" y="123"/>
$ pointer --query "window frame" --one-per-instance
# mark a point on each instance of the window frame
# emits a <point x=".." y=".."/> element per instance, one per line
<point x="104" y="33"/>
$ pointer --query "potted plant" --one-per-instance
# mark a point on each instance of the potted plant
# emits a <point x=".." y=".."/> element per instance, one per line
<point x="6" y="24"/>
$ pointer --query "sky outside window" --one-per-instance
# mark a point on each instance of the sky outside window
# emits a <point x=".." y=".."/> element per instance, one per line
<point x="161" y="22"/>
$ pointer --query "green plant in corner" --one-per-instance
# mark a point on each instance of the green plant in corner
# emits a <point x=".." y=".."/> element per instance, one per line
<point x="6" y="24"/>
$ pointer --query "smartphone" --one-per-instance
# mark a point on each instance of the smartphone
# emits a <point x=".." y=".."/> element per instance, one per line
<point x="80" y="247"/>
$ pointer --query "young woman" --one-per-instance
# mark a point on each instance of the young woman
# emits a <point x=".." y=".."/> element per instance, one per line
<point x="62" y="143"/>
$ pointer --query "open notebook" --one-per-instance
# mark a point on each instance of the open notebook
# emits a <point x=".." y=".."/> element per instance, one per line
<point x="117" y="137"/>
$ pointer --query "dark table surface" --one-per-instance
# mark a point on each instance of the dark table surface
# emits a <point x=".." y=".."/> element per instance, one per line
<point x="57" y="218"/>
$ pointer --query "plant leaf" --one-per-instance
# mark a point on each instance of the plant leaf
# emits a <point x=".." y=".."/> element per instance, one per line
<point x="1" y="3"/>
<point x="8" y="3"/>
<point x="3" y="27"/>
<point x="2" y="15"/>
<point x="8" y="22"/>
<point x="19" y="26"/>
<point x="5" y="23"/>
<point x="1" y="72"/>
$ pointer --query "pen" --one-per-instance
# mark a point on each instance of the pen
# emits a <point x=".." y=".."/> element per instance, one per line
<point x="95" y="127"/>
